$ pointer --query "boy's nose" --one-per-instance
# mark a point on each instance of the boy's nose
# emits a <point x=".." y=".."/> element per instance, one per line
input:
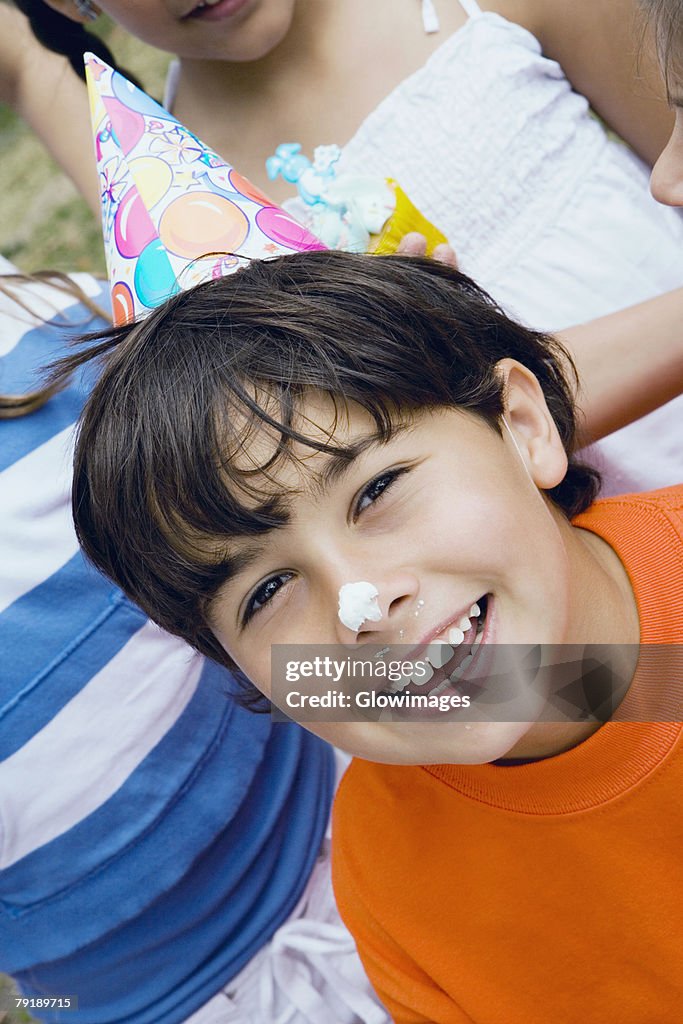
<point x="397" y="599"/>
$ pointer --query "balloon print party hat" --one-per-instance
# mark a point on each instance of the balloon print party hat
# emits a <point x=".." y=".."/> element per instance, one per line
<point x="174" y="213"/>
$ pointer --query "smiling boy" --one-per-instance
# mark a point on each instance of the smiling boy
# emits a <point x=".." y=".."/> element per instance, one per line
<point x="264" y="440"/>
<point x="388" y="516"/>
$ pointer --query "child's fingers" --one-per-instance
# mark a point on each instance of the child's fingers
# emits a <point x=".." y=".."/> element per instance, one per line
<point x="412" y="244"/>
<point x="415" y="244"/>
<point x="445" y="253"/>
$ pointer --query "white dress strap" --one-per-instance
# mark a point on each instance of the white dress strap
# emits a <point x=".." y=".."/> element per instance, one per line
<point x="430" y="18"/>
<point x="471" y="8"/>
<point x="171" y="85"/>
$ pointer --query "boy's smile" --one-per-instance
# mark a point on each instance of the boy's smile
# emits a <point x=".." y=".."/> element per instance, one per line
<point x="444" y="516"/>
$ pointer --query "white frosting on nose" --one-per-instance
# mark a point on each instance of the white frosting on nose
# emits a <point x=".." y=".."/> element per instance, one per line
<point x="357" y="603"/>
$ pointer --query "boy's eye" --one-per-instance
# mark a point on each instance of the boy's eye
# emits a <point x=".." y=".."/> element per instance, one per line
<point x="376" y="489"/>
<point x="265" y="593"/>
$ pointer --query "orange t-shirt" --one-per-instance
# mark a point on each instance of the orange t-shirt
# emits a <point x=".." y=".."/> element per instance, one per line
<point x="543" y="893"/>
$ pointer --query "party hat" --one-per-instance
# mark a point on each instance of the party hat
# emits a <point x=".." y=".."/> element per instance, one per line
<point x="174" y="213"/>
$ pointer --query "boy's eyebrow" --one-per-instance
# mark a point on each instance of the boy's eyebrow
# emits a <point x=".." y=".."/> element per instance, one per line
<point x="340" y="464"/>
<point x="235" y="563"/>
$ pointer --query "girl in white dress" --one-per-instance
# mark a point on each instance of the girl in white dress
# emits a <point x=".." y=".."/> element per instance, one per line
<point x="478" y="123"/>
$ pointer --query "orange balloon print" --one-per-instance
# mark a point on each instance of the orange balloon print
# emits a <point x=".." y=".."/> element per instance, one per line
<point x="245" y="188"/>
<point x="201" y="222"/>
<point x="122" y="306"/>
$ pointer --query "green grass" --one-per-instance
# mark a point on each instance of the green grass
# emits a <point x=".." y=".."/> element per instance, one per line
<point x="8" y="1012"/>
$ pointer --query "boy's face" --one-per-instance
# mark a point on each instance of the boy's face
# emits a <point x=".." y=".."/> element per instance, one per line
<point x="445" y="515"/>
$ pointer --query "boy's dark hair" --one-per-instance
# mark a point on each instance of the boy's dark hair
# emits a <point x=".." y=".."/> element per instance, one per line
<point x="69" y="38"/>
<point x="156" y="496"/>
<point x="666" y="21"/>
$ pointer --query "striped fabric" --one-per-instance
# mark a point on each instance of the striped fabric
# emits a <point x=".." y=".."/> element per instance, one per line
<point x="153" y="834"/>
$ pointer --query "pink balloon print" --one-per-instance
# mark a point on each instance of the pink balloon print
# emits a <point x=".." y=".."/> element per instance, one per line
<point x="122" y="305"/>
<point x="133" y="229"/>
<point x="199" y="223"/>
<point x="128" y="126"/>
<point x="281" y="228"/>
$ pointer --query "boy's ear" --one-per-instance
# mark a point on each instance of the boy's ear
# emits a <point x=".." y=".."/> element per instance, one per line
<point x="79" y="12"/>
<point x="534" y="432"/>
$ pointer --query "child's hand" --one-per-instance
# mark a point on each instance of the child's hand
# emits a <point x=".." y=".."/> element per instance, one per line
<point x="415" y="244"/>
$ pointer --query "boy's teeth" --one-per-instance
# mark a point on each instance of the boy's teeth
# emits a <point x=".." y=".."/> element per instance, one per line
<point x="401" y="684"/>
<point x="462" y="667"/>
<point x="422" y="677"/>
<point x="439" y="653"/>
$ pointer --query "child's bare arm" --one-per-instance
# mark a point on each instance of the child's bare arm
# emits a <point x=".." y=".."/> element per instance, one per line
<point x="607" y="55"/>
<point x="629" y="362"/>
<point x="41" y="87"/>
